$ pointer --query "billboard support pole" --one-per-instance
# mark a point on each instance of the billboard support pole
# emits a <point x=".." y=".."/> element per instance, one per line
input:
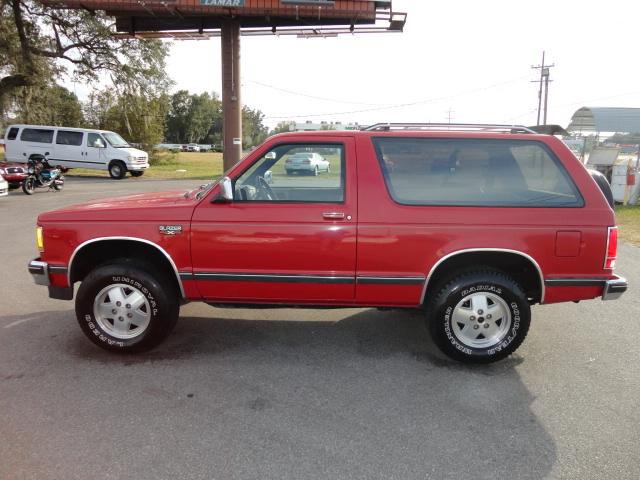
<point x="231" y="99"/>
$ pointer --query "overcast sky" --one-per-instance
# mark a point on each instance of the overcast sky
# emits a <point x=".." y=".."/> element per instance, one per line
<point x="469" y="59"/>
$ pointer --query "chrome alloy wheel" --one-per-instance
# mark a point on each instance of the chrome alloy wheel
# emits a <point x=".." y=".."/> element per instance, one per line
<point x="481" y="320"/>
<point x="122" y="311"/>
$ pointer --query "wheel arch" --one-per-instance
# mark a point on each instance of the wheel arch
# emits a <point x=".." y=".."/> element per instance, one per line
<point x="97" y="250"/>
<point x="519" y="264"/>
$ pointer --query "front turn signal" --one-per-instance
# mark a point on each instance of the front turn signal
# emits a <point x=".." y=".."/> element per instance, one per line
<point x="39" y="239"/>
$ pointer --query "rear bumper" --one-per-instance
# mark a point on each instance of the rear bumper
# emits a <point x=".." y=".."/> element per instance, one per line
<point x="614" y="288"/>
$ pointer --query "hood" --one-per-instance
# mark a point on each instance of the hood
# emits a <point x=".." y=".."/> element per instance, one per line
<point x="133" y="152"/>
<point x="171" y="205"/>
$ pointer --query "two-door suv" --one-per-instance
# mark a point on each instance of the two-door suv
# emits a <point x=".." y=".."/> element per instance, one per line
<point x="473" y="224"/>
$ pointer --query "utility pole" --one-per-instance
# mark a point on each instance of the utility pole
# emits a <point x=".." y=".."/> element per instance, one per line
<point x="545" y="72"/>
<point x="450" y="112"/>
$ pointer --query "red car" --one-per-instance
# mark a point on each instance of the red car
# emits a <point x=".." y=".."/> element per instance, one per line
<point x="473" y="226"/>
<point x="13" y="173"/>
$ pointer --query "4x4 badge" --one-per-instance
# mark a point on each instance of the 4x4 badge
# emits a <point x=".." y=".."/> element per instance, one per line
<point x="170" y="229"/>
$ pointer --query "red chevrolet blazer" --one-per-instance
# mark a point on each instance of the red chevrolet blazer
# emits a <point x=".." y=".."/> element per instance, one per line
<point x="472" y="225"/>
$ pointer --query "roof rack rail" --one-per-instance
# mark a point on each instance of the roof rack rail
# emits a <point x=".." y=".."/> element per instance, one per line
<point x="386" y="127"/>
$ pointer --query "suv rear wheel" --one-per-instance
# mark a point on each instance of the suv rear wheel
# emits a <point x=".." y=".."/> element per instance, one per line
<point x="479" y="317"/>
<point x="126" y="306"/>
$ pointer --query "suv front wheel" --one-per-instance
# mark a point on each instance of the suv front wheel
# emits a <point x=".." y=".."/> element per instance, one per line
<point x="126" y="306"/>
<point x="479" y="317"/>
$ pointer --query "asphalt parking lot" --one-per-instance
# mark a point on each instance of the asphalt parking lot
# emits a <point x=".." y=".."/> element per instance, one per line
<point x="306" y="394"/>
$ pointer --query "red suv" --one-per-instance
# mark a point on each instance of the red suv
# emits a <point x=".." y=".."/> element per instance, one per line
<point x="471" y="224"/>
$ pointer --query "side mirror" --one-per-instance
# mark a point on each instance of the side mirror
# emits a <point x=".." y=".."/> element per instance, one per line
<point x="268" y="177"/>
<point x="226" y="190"/>
<point x="270" y="156"/>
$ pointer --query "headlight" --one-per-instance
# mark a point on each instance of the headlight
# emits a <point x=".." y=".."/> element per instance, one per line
<point x="130" y="158"/>
<point x="39" y="239"/>
<point x="2" y="172"/>
<point x="31" y="170"/>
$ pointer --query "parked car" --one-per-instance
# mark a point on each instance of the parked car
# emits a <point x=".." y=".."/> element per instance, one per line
<point x="13" y="173"/>
<point x="4" y="187"/>
<point x="306" y="162"/>
<point x="471" y="226"/>
<point x="75" y="148"/>
<point x="193" y="147"/>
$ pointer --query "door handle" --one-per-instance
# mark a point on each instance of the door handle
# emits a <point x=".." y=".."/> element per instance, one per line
<point x="333" y="215"/>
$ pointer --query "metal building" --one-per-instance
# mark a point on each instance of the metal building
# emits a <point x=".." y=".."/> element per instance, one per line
<point x="605" y="119"/>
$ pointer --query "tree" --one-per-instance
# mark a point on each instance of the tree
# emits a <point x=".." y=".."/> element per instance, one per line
<point x="253" y="130"/>
<point x="47" y="105"/>
<point x="282" y="127"/>
<point x="194" y="118"/>
<point x="38" y="43"/>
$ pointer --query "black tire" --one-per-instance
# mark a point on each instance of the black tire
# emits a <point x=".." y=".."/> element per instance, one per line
<point x="29" y="185"/>
<point x="127" y="280"/>
<point x="447" y="317"/>
<point x="117" y="170"/>
<point x="138" y="173"/>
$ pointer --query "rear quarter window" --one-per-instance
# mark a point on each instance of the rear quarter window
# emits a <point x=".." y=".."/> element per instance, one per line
<point x="13" y="133"/>
<point x="474" y="172"/>
<point x="37" y="135"/>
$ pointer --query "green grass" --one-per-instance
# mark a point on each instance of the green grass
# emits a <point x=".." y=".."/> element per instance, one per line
<point x="628" y="220"/>
<point x="182" y="165"/>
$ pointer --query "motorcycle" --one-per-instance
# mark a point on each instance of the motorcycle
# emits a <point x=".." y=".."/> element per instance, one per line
<point x="42" y="175"/>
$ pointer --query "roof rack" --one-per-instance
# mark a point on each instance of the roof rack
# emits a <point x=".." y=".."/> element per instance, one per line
<point x="386" y="127"/>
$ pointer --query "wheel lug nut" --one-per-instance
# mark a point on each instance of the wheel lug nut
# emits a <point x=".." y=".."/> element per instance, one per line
<point x="475" y="327"/>
<point x="128" y="305"/>
<point x="114" y="311"/>
<point x="129" y="315"/>
<point x="472" y="318"/>
<point x="489" y="317"/>
<point x="480" y="312"/>
<point x="121" y="319"/>
<point x="118" y="304"/>
<point x="486" y="325"/>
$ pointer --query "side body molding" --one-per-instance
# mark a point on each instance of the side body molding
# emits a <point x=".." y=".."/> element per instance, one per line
<point x="473" y="250"/>
<point x="131" y="239"/>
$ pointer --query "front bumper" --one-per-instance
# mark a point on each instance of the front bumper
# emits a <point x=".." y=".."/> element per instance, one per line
<point x="40" y="270"/>
<point x="614" y="288"/>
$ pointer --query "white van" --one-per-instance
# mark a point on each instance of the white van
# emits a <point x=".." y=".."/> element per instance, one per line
<point x="75" y="148"/>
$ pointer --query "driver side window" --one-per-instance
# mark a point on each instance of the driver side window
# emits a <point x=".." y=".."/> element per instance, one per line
<point x="296" y="173"/>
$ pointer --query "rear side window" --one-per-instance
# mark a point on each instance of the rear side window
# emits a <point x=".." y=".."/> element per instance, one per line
<point x="474" y="172"/>
<point x="37" y="135"/>
<point x="13" y="133"/>
<point x="67" y="137"/>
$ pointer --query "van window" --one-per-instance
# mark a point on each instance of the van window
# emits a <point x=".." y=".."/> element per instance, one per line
<point x="36" y="135"/>
<point x="67" y="137"/>
<point x="474" y="172"/>
<point x="13" y="133"/>
<point x="95" y="140"/>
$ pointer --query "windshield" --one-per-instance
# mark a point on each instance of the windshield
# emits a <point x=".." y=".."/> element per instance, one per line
<point x="115" y="140"/>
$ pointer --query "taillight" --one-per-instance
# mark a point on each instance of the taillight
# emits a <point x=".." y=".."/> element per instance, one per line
<point x="612" y="248"/>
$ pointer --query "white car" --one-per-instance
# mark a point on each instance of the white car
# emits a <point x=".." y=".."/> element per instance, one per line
<point x="312" y="163"/>
<point x="4" y="187"/>
<point x="193" y="147"/>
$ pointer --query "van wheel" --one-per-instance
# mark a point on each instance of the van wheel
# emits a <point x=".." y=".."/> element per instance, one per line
<point x="126" y="306"/>
<point x="117" y="170"/>
<point x="136" y="174"/>
<point x="479" y="317"/>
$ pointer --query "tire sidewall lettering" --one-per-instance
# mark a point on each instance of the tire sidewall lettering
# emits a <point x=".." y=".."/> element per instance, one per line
<point x="105" y="337"/>
<point x="503" y="293"/>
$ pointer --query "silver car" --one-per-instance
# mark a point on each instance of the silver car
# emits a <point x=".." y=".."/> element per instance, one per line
<point x="312" y="163"/>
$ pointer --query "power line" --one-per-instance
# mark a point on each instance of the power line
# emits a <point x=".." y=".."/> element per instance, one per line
<point x="399" y="105"/>
<point x="315" y="97"/>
